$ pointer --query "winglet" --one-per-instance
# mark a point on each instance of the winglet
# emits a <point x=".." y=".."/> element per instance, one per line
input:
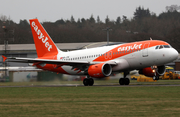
<point x="4" y="58"/>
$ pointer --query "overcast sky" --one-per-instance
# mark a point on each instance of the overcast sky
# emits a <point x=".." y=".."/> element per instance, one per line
<point x="52" y="10"/>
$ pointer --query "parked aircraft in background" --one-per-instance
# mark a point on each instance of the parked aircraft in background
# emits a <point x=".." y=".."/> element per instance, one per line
<point x="148" y="57"/>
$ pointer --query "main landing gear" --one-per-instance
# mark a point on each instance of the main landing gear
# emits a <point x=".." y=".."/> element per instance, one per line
<point x="124" y="81"/>
<point x="88" y="81"/>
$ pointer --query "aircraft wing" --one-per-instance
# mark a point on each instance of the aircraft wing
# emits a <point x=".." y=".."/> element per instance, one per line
<point x="50" y="61"/>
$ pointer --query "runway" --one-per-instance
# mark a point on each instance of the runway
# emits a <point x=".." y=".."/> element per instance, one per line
<point x="79" y="85"/>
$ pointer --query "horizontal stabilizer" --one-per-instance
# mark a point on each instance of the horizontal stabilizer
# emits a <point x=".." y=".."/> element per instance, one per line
<point x="4" y="58"/>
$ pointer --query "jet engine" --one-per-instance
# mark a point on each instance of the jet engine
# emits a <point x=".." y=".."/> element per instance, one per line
<point x="100" y="70"/>
<point x="151" y="72"/>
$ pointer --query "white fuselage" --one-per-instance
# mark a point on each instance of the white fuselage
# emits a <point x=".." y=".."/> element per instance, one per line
<point x="127" y="59"/>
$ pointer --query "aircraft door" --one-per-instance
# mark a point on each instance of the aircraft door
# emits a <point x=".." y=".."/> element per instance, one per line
<point x="108" y="55"/>
<point x="145" y="50"/>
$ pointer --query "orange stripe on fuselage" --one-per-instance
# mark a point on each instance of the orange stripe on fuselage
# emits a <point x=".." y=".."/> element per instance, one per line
<point x="128" y="48"/>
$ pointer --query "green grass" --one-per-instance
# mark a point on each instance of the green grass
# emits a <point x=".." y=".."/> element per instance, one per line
<point x="90" y="101"/>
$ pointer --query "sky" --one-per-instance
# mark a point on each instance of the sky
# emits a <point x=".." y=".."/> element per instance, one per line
<point x="53" y="10"/>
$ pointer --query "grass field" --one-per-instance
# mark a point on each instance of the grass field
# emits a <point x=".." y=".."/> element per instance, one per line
<point x="90" y="101"/>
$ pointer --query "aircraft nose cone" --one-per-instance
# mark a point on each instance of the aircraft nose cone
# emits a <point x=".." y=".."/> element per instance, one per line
<point x="174" y="54"/>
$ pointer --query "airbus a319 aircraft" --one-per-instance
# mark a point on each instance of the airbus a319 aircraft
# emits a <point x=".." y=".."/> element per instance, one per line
<point x="149" y="57"/>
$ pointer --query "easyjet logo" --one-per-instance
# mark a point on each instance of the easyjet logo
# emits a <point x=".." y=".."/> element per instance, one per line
<point x="132" y="47"/>
<point x="41" y="36"/>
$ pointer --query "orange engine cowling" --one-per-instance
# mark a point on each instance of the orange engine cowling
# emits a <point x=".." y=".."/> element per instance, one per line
<point x="100" y="70"/>
<point x="151" y="72"/>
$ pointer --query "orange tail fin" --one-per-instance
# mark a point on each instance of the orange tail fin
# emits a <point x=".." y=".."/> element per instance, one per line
<point x="43" y="42"/>
<point x="4" y="58"/>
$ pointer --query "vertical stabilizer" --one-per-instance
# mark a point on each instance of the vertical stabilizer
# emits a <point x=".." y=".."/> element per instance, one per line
<point x="43" y="42"/>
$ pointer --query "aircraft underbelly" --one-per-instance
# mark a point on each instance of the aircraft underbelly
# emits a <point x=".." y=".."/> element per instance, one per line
<point x="71" y="71"/>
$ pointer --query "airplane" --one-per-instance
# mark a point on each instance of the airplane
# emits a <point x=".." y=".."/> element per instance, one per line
<point x="149" y="57"/>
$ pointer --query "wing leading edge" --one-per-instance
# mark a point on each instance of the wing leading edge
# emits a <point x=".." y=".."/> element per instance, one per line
<point x="50" y="61"/>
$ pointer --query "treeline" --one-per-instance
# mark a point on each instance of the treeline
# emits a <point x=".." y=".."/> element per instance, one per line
<point x="143" y="25"/>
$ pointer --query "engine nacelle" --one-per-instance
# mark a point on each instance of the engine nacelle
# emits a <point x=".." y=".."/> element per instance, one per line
<point x="160" y="70"/>
<point x="100" y="70"/>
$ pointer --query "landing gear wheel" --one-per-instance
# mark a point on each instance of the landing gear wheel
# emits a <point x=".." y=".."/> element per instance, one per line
<point x="127" y="81"/>
<point x="88" y="82"/>
<point x="121" y="81"/>
<point x="155" y="77"/>
<point x="91" y="82"/>
<point x="85" y="82"/>
<point x="124" y="81"/>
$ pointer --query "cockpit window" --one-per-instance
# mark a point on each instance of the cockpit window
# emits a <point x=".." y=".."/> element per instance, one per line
<point x="160" y="47"/>
<point x="166" y="46"/>
<point x="163" y="46"/>
<point x="157" y="47"/>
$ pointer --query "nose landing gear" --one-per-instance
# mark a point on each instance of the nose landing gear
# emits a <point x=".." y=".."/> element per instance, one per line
<point x="155" y="77"/>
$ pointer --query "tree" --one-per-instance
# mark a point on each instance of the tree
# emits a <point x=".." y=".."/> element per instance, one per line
<point x="61" y="21"/>
<point x="170" y="15"/>
<point x="23" y="23"/>
<point x="174" y="38"/>
<point x="3" y="18"/>
<point x="107" y="20"/>
<point x="91" y="19"/>
<point x="98" y="20"/>
<point x="141" y="13"/>
<point x="172" y="8"/>
<point x="124" y="18"/>
<point x="72" y="20"/>
<point x="83" y="20"/>
<point x="118" y="21"/>
<point x="79" y="21"/>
